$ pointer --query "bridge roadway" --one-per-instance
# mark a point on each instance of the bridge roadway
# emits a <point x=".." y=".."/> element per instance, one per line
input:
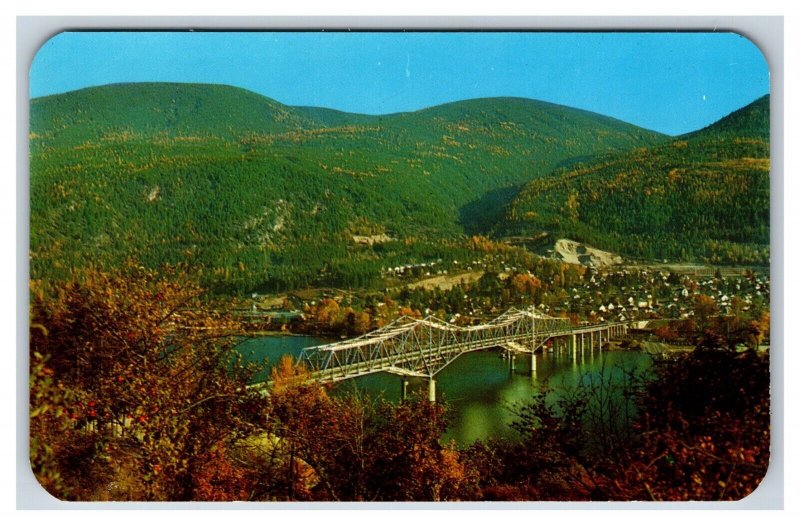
<point x="412" y="347"/>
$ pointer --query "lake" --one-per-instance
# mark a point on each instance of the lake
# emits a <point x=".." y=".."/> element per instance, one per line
<point x="479" y="387"/>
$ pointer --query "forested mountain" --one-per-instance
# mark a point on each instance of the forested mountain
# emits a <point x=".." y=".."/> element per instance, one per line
<point x="149" y="109"/>
<point x="703" y="196"/>
<point x="749" y="121"/>
<point x="257" y="195"/>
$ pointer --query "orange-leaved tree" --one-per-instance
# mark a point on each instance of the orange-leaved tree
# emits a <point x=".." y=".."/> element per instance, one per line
<point x="135" y="389"/>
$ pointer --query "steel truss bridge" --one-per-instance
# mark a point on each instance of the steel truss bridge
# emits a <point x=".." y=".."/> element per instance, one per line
<point x="423" y="347"/>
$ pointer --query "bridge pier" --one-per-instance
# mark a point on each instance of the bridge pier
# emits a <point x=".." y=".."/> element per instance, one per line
<point x="533" y="363"/>
<point x="431" y="389"/>
<point x="574" y="345"/>
<point x="404" y="388"/>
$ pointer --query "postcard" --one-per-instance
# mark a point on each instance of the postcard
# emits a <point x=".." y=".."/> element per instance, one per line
<point x="395" y="266"/>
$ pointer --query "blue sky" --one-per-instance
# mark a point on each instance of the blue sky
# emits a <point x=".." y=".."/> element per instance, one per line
<point x="669" y="82"/>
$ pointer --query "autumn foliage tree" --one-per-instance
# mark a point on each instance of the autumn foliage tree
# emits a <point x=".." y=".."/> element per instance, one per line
<point x="704" y="428"/>
<point x="360" y="448"/>
<point x="525" y="285"/>
<point x="666" y="333"/>
<point x="135" y="390"/>
<point x="704" y="308"/>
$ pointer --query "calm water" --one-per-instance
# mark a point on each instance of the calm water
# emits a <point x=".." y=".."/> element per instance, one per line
<point x="478" y="386"/>
<point x="269" y="349"/>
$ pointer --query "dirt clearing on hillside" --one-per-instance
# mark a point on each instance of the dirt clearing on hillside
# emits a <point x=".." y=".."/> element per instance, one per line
<point x="581" y="254"/>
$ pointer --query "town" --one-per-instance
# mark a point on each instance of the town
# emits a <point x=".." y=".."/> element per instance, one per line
<point x="466" y="293"/>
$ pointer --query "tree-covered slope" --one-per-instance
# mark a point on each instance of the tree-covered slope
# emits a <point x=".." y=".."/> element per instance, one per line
<point x="749" y="121"/>
<point x="261" y="195"/>
<point x="702" y="196"/>
<point x="165" y="109"/>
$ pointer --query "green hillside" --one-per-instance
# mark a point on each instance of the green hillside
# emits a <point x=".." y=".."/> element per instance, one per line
<point x="262" y="196"/>
<point x="703" y="196"/>
<point x="158" y="109"/>
<point x="750" y="121"/>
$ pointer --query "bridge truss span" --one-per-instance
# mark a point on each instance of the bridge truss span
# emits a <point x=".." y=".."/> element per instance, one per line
<point x="423" y="347"/>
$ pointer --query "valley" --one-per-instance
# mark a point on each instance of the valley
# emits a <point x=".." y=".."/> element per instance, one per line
<point x="192" y="245"/>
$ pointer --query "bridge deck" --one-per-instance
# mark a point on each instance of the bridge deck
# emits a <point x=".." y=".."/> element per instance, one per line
<point x="424" y="347"/>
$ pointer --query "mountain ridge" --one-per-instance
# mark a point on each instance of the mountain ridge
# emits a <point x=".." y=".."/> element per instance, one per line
<point x="325" y="115"/>
<point x="333" y="113"/>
